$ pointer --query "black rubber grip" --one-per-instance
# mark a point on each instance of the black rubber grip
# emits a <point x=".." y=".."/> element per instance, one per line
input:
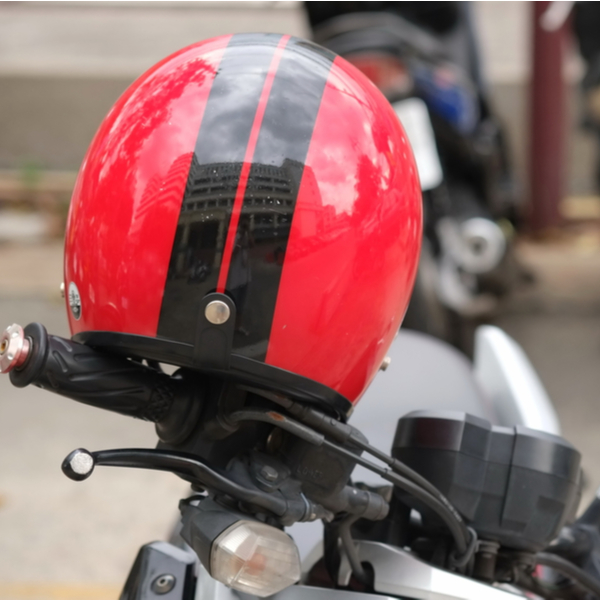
<point x="96" y="378"/>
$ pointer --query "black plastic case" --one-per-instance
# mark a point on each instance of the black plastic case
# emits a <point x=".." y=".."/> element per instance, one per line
<point x="513" y="485"/>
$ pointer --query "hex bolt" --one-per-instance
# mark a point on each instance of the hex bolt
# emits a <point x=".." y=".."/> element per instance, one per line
<point x="269" y="473"/>
<point x="163" y="584"/>
<point x="385" y="363"/>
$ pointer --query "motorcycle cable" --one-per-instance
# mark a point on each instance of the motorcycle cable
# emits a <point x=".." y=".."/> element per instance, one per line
<point x="527" y="582"/>
<point x="568" y="569"/>
<point x="464" y="537"/>
<point x="343" y="433"/>
<point x="345" y="535"/>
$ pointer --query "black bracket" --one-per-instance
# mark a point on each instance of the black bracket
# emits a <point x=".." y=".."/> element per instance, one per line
<point x="213" y="341"/>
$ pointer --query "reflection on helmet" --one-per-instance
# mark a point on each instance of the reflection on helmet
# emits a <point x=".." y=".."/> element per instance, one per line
<point x="264" y="172"/>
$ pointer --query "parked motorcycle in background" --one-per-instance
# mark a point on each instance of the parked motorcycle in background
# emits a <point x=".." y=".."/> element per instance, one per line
<point x="433" y="81"/>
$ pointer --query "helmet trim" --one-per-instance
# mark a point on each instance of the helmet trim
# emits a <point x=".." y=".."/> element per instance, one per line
<point x="242" y="368"/>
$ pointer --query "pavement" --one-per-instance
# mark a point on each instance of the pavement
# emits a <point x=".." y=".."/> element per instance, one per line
<point x="60" y="539"/>
<point x="65" y="540"/>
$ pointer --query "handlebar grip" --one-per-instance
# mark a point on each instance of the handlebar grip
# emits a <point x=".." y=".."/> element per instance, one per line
<point x="95" y="378"/>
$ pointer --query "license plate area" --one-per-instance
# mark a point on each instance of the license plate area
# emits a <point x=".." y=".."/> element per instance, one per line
<point x="414" y="116"/>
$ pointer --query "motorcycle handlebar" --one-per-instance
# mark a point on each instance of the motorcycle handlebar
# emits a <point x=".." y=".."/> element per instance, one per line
<point x="86" y="375"/>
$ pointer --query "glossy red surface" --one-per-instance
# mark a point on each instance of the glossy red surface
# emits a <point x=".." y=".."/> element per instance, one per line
<point x="190" y="175"/>
<point x="128" y="194"/>
<point x="353" y="249"/>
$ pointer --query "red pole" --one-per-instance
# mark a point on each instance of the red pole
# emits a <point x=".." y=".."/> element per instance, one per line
<point x="547" y="107"/>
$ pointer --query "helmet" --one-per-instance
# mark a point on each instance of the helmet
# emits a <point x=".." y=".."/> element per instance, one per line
<point x="250" y="206"/>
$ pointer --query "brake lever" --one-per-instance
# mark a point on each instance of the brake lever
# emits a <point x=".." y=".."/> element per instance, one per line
<point x="80" y="464"/>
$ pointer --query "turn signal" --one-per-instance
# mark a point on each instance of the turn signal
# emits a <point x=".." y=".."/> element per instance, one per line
<point x="255" y="558"/>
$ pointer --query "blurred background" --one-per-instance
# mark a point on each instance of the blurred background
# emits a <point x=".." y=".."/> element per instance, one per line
<point x="62" y="66"/>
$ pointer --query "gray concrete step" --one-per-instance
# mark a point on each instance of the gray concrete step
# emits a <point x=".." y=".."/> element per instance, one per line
<point x="63" y="64"/>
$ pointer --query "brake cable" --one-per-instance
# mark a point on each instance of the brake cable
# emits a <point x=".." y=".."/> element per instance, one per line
<point x="343" y="433"/>
<point x="568" y="569"/>
<point x="463" y="536"/>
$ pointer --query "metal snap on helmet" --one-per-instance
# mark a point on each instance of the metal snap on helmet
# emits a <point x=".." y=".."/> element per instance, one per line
<point x="249" y="207"/>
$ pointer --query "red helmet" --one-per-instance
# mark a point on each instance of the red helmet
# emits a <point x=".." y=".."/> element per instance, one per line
<point x="250" y="206"/>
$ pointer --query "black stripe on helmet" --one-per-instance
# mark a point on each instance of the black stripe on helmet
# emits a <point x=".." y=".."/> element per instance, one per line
<point x="213" y="181"/>
<point x="272" y="191"/>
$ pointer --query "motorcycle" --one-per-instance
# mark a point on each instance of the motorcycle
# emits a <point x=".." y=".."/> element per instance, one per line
<point x="477" y="503"/>
<point x="480" y="494"/>
<point x="470" y="203"/>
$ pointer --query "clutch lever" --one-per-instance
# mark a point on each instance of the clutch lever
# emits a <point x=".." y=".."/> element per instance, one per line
<point x="80" y="464"/>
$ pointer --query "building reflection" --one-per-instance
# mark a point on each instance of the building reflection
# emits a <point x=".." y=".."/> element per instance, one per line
<point x="268" y="207"/>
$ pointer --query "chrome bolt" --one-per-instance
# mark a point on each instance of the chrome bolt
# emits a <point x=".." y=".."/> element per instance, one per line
<point x="217" y="312"/>
<point x="269" y="473"/>
<point x="385" y="363"/>
<point x="62" y="289"/>
<point x="163" y="584"/>
<point x="82" y="463"/>
<point x="78" y="465"/>
<point x="14" y="348"/>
